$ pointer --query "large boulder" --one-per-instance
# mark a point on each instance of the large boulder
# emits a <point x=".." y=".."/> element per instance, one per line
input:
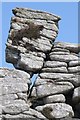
<point x="30" y="37"/>
<point x="56" y="111"/>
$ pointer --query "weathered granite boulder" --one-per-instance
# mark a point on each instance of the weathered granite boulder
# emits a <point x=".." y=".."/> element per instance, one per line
<point x="74" y="63"/>
<point x="57" y="70"/>
<point x="54" y="64"/>
<point x="12" y="83"/>
<point x="27" y="114"/>
<point x="53" y="88"/>
<point x="56" y="111"/>
<point x="65" y="52"/>
<point x="54" y="99"/>
<point x="63" y="58"/>
<point x="74" y="48"/>
<point x="14" y="93"/>
<point x="30" y="37"/>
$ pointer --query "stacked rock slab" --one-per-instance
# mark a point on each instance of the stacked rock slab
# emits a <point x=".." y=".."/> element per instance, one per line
<point x="58" y="84"/>
<point x="31" y="48"/>
<point x="14" y="102"/>
<point x="30" y="37"/>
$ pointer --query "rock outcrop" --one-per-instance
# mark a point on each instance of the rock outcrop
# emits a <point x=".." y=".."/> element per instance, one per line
<point x="30" y="37"/>
<point x="31" y="48"/>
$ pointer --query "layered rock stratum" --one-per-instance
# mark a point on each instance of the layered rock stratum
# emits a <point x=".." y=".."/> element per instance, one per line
<point x="32" y="49"/>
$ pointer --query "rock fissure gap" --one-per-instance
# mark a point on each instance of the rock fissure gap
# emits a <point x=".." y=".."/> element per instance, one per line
<point x="21" y="98"/>
<point x="69" y="101"/>
<point x="35" y="75"/>
<point x="33" y="79"/>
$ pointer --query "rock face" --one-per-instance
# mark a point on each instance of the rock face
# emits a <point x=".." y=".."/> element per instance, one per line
<point x="14" y="93"/>
<point x="32" y="49"/>
<point x="56" y="111"/>
<point x="30" y="37"/>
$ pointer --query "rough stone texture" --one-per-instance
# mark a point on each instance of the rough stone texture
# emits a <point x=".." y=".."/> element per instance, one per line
<point x="34" y="113"/>
<point x="58" y="70"/>
<point x="53" y="77"/>
<point x="60" y="75"/>
<point x="74" y="69"/>
<point x="53" y="88"/>
<point x="63" y="58"/>
<point x="30" y="62"/>
<point x="14" y="93"/>
<point x="30" y="37"/>
<point x="12" y="82"/>
<point x="74" y="63"/>
<point x="32" y="49"/>
<point x="56" y="111"/>
<point x="54" y="99"/>
<point x="26" y="114"/>
<point x="16" y="107"/>
<point x="74" y="48"/>
<point x="54" y="64"/>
